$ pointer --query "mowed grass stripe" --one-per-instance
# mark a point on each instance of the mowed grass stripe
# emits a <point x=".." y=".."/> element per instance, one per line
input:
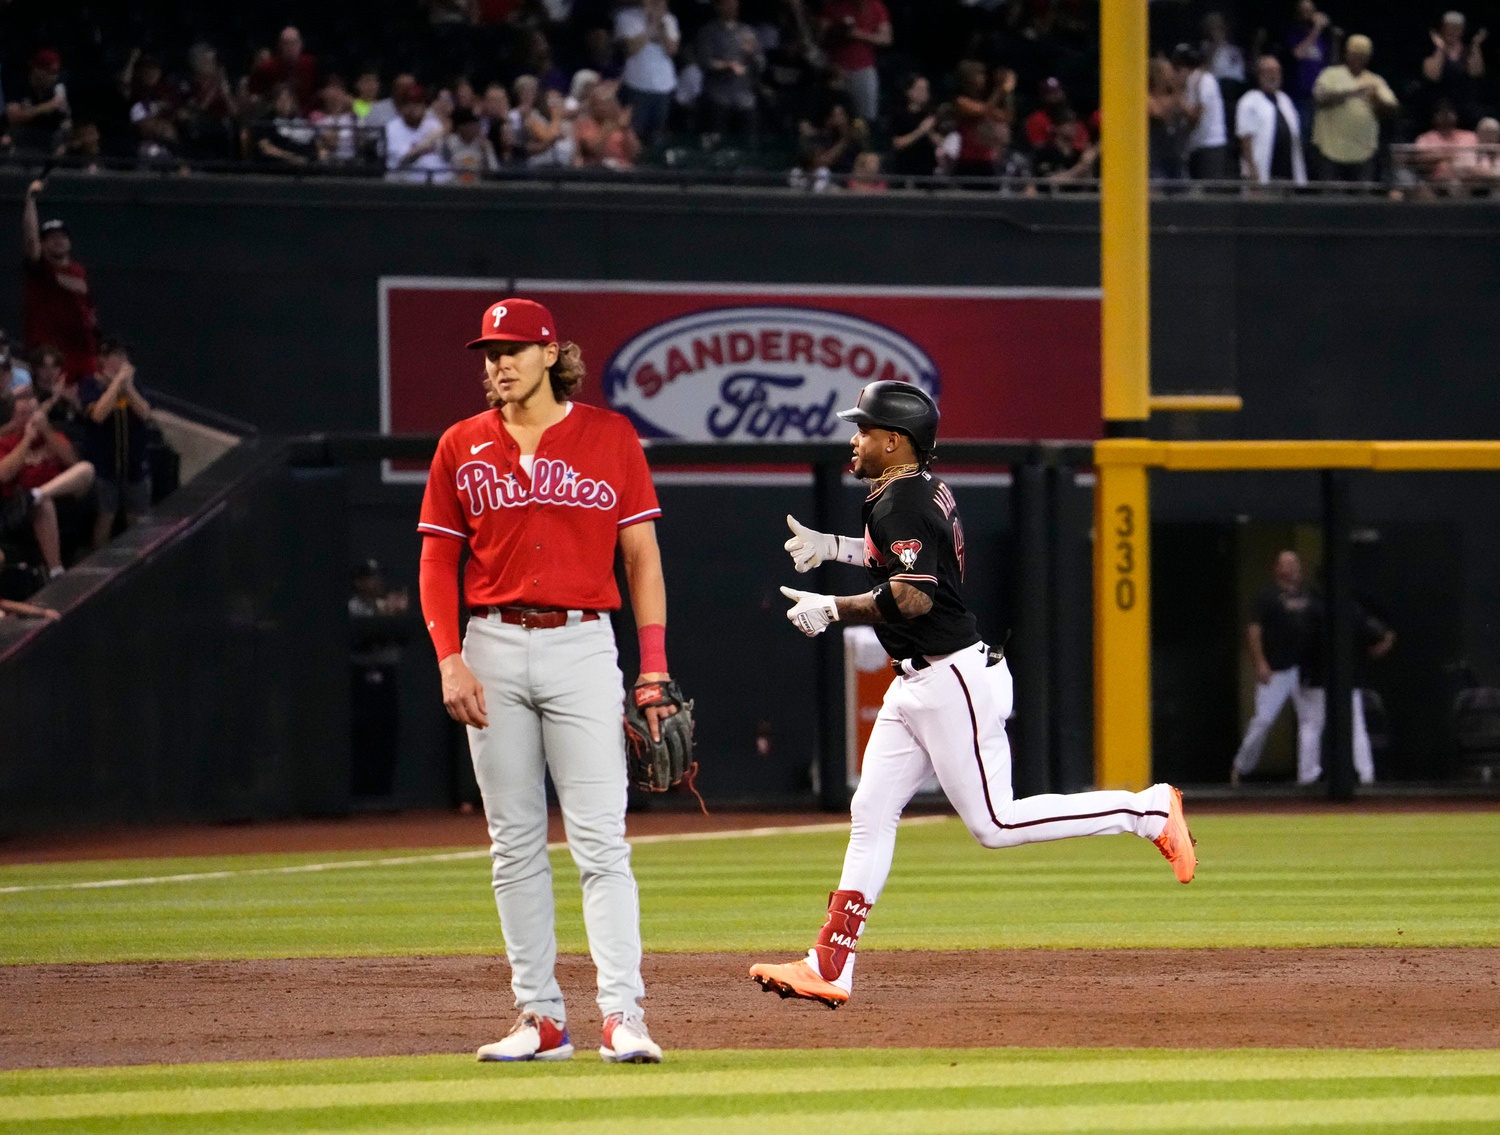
<point x="1334" y="880"/>
<point x="796" y="1073"/>
<point x="1035" y="1067"/>
<point x="1428" y="1113"/>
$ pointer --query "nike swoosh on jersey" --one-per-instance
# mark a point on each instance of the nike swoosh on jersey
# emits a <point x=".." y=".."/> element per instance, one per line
<point x="473" y="449"/>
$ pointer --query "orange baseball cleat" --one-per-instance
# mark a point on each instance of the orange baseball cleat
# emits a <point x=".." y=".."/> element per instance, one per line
<point x="798" y="979"/>
<point x="1176" y="842"/>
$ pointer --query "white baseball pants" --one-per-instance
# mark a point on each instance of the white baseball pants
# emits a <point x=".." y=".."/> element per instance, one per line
<point x="1315" y="712"/>
<point x="1270" y="696"/>
<point x="949" y="719"/>
<point x="555" y="699"/>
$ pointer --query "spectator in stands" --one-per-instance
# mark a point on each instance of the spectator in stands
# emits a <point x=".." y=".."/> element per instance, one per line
<point x="38" y="466"/>
<point x="602" y="135"/>
<point x="1311" y="44"/>
<point x="865" y="176"/>
<point x="84" y="148"/>
<point x="11" y="381"/>
<point x="1053" y="108"/>
<point x="980" y="117"/>
<point x="40" y="118"/>
<point x="59" y="308"/>
<point x="1351" y="100"/>
<point x="1223" y="59"/>
<point x="1061" y="161"/>
<point x="465" y="97"/>
<point x="1207" y="142"/>
<point x="649" y="37"/>
<point x="116" y="417"/>
<point x="852" y="30"/>
<point x="336" y="121"/>
<point x="1168" y="122"/>
<point x="583" y="84"/>
<point x="281" y="137"/>
<point x="834" y="144"/>
<point x="730" y="57"/>
<point x="414" y="141"/>
<point x="1483" y="173"/>
<point x="1269" y="129"/>
<point x="914" y="136"/>
<point x="58" y="390"/>
<point x="547" y="134"/>
<point x="1454" y="68"/>
<point x="19" y="374"/>
<point x="792" y="67"/>
<point x="467" y="151"/>
<point x="808" y="173"/>
<point x="384" y="110"/>
<point x="205" y="115"/>
<point x="153" y="106"/>
<point x="366" y="92"/>
<point x="289" y="65"/>
<point x="495" y="123"/>
<point x="1445" y="151"/>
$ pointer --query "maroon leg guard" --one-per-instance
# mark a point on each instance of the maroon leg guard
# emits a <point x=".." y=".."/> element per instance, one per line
<point x="847" y="911"/>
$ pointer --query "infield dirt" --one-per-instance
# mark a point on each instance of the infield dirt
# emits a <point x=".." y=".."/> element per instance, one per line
<point x="179" y="1012"/>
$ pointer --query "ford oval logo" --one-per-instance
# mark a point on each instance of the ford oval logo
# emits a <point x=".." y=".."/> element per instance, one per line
<point x="757" y="373"/>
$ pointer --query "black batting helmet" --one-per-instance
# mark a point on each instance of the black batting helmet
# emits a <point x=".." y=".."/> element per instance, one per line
<point x="899" y="406"/>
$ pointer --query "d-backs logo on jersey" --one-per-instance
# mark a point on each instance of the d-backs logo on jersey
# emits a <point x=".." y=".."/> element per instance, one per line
<point x="552" y="482"/>
<point x="906" y="551"/>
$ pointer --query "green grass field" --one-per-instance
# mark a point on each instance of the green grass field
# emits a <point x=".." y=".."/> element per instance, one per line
<point x="1396" y="880"/>
<point x="872" y="1092"/>
<point x="1412" y="880"/>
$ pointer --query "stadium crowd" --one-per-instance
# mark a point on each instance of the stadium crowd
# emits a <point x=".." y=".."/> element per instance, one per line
<point x="75" y="428"/>
<point x="861" y="93"/>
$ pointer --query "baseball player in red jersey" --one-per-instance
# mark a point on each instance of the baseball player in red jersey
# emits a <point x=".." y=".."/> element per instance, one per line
<point x="945" y="713"/>
<point x="542" y="489"/>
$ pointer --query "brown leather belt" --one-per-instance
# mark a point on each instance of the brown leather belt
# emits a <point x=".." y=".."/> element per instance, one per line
<point x="532" y="618"/>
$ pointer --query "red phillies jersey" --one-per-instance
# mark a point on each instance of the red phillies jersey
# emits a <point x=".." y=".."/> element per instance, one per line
<point x="39" y="467"/>
<point x="547" y="540"/>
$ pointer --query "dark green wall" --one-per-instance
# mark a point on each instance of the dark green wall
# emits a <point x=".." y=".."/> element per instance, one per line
<point x="1334" y="318"/>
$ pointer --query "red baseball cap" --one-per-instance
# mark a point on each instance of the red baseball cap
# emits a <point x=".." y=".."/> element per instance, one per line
<point x="516" y="321"/>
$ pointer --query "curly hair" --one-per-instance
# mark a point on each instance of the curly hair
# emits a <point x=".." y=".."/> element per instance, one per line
<point x="568" y="373"/>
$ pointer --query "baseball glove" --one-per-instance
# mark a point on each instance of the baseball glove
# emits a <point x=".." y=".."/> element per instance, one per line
<point x="656" y="766"/>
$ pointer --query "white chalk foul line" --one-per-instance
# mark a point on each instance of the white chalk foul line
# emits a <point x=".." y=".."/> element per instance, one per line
<point x="437" y="857"/>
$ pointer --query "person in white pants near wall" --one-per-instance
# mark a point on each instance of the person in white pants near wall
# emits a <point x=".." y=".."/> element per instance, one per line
<point x="1279" y="639"/>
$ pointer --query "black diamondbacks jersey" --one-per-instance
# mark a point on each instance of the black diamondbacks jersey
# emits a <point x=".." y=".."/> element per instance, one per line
<point x="913" y="534"/>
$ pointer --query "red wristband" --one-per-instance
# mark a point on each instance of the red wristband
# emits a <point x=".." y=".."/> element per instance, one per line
<point x="653" y="638"/>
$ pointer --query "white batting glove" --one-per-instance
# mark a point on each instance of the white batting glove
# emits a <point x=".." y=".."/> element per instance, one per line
<point x="809" y="549"/>
<point x="811" y="613"/>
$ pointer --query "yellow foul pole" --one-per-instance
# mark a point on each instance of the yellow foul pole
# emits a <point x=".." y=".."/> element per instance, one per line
<point x="1122" y="634"/>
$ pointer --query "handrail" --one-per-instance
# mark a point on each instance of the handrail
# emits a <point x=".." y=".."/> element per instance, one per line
<point x="332" y="449"/>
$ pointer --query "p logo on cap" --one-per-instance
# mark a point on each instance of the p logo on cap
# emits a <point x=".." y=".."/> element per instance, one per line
<point x="516" y="320"/>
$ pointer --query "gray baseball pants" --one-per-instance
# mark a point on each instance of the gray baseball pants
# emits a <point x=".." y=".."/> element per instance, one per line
<point x="555" y="699"/>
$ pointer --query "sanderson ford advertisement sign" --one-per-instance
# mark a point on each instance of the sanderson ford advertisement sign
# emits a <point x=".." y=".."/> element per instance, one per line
<point x="753" y="363"/>
<point x="757" y="373"/>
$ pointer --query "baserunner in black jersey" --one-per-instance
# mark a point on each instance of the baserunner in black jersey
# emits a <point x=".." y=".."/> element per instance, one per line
<point x="945" y="712"/>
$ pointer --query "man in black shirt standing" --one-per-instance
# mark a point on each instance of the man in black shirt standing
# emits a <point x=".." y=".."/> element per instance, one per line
<point x="945" y="712"/>
<point x="1280" y="638"/>
<point x="1373" y="641"/>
